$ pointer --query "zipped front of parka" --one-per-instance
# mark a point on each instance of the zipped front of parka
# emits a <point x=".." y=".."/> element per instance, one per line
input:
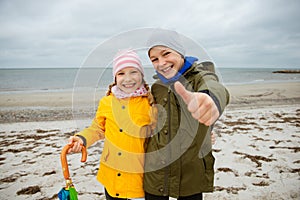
<point x="167" y="169"/>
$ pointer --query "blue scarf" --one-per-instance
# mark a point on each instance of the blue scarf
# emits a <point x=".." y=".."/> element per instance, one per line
<point x="188" y="62"/>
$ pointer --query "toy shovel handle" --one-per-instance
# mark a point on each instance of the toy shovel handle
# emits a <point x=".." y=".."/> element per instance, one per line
<point x="64" y="162"/>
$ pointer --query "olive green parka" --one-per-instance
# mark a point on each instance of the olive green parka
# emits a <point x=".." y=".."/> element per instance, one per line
<point x="179" y="160"/>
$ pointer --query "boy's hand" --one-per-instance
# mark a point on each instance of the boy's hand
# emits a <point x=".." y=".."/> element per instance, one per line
<point x="78" y="143"/>
<point x="201" y="105"/>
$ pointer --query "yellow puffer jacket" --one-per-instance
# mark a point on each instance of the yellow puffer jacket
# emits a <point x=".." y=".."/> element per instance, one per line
<point x="121" y="123"/>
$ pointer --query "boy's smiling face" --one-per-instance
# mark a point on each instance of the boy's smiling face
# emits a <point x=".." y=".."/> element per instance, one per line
<point x="166" y="61"/>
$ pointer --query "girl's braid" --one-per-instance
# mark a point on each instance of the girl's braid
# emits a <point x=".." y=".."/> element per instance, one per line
<point x="150" y="96"/>
<point x="109" y="88"/>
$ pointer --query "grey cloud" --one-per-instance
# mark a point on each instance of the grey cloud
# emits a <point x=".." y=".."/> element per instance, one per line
<point x="235" y="33"/>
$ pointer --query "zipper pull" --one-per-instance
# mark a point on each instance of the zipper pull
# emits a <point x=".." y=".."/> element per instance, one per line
<point x="169" y="89"/>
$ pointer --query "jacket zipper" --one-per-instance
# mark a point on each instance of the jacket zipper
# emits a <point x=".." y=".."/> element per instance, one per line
<point x="167" y="168"/>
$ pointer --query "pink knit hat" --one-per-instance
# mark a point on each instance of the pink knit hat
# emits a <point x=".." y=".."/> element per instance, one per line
<point x="126" y="58"/>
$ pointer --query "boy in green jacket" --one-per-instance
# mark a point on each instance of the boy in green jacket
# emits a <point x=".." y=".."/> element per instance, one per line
<point x="179" y="161"/>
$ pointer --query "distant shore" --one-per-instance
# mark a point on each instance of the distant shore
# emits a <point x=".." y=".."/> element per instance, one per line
<point x="287" y="71"/>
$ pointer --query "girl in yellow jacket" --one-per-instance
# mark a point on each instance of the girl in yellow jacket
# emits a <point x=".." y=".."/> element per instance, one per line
<point x="123" y="119"/>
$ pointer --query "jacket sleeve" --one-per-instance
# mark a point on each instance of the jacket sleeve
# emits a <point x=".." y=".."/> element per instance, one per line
<point x="95" y="131"/>
<point x="92" y="134"/>
<point x="210" y="84"/>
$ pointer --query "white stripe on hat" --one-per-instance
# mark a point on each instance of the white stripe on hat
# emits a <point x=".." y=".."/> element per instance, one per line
<point x="127" y="58"/>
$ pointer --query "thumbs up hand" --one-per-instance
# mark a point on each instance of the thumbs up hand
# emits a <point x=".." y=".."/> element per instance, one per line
<point x="201" y="105"/>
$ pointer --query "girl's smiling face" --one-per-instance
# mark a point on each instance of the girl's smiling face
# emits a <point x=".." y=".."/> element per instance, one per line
<point x="166" y="61"/>
<point x="129" y="79"/>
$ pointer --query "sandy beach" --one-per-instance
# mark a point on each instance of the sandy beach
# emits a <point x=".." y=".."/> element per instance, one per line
<point x="257" y="147"/>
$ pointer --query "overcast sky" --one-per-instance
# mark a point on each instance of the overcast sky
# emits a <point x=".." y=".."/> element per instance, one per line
<point x="235" y="33"/>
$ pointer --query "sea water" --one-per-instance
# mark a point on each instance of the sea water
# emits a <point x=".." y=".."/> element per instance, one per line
<point x="62" y="79"/>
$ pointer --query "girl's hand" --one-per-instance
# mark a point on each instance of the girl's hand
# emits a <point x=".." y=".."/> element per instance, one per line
<point x="78" y="143"/>
<point x="213" y="138"/>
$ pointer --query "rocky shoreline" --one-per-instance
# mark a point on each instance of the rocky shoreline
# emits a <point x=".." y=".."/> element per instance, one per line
<point x="287" y="71"/>
<point x="39" y="115"/>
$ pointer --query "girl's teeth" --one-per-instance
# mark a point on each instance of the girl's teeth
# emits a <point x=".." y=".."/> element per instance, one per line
<point x="128" y="86"/>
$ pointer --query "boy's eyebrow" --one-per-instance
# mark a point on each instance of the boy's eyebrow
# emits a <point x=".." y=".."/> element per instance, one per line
<point x="161" y="52"/>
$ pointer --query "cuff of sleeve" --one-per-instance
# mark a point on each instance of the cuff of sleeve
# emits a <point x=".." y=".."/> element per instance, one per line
<point x="83" y="139"/>
<point x="215" y="99"/>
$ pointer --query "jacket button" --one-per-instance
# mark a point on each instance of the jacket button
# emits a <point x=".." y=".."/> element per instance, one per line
<point x="165" y="99"/>
<point x="119" y="154"/>
<point x="117" y="194"/>
<point x="121" y="130"/>
<point x="165" y="132"/>
<point x="161" y="189"/>
<point x="119" y="174"/>
<point x="123" y="107"/>
<point x="163" y="162"/>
